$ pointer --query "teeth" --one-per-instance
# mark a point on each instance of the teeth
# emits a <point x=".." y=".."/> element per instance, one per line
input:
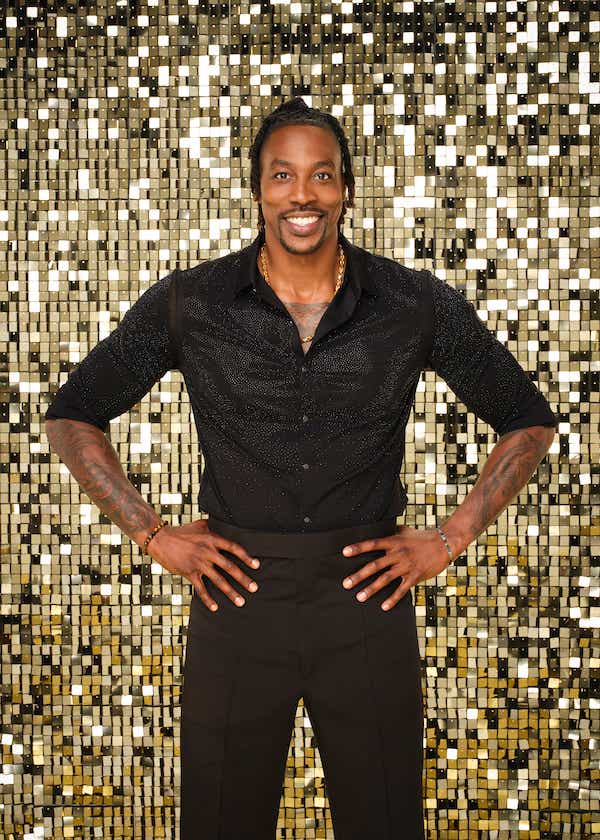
<point x="304" y="220"/>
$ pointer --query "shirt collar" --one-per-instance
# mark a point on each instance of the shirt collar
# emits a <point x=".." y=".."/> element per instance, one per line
<point x="247" y="274"/>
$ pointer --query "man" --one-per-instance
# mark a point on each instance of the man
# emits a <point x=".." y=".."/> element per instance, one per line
<point x="301" y="355"/>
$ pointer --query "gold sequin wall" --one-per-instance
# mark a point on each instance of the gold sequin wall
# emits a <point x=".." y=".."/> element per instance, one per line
<point x="124" y="138"/>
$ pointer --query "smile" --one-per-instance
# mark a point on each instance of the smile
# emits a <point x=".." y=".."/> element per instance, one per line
<point x="303" y="225"/>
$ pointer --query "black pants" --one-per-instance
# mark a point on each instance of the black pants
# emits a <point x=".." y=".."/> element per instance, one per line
<point x="301" y="634"/>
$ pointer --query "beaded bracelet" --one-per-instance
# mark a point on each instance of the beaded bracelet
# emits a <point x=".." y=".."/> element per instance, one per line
<point x="155" y="531"/>
<point x="445" y="539"/>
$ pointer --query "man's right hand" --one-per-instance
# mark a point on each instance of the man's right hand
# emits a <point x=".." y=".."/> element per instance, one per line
<point x="192" y="551"/>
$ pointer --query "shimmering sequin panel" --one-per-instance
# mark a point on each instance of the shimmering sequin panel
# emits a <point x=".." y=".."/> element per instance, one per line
<point x="124" y="139"/>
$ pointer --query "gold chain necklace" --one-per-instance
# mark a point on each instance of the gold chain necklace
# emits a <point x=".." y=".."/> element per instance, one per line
<point x="338" y="282"/>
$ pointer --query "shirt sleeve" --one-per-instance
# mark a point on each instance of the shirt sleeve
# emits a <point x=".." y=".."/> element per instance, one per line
<point x="124" y="366"/>
<point x="479" y="369"/>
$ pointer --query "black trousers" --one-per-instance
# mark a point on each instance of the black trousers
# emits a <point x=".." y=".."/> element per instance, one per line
<point x="301" y="634"/>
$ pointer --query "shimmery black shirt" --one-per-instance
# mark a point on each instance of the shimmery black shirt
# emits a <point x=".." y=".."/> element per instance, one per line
<point x="295" y="442"/>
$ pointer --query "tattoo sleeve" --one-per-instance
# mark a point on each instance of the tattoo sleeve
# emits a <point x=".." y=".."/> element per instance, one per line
<point x="507" y="470"/>
<point x="93" y="462"/>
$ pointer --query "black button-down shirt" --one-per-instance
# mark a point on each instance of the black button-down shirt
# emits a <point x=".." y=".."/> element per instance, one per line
<point x="294" y="441"/>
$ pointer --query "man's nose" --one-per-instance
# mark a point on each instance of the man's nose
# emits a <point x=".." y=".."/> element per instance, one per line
<point x="303" y="191"/>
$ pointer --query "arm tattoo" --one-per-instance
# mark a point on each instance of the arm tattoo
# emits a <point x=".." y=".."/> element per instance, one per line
<point x="93" y="462"/>
<point x="509" y="467"/>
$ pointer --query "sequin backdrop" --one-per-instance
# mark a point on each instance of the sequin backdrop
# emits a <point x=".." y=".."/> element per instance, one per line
<point x="124" y="136"/>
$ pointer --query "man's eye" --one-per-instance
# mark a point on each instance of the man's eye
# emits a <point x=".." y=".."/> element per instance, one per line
<point x="285" y="173"/>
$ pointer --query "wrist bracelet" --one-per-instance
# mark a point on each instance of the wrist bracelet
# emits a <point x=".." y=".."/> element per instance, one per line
<point x="155" y="531"/>
<point x="445" y="539"/>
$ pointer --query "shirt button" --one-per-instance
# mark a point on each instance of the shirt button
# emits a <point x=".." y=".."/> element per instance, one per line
<point x="305" y="418"/>
<point x="305" y="466"/>
<point x="307" y="518"/>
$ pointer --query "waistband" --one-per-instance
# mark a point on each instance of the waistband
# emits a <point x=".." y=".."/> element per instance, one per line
<point x="297" y="545"/>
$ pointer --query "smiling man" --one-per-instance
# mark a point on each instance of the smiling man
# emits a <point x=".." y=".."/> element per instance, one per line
<point x="301" y="355"/>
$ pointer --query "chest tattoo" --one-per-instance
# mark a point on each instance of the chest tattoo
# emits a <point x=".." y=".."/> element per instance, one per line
<point x="306" y="317"/>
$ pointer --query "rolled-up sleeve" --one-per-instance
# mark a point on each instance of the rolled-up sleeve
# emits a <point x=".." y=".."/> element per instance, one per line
<point x="124" y="366"/>
<point x="479" y="369"/>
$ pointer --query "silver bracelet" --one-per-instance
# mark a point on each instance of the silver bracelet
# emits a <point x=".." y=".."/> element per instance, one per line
<point x="445" y="538"/>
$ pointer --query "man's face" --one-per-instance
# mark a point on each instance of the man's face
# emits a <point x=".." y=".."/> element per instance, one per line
<point x="310" y="183"/>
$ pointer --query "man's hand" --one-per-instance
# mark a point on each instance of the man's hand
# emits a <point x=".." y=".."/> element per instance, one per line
<point x="193" y="551"/>
<point x="418" y="555"/>
<point x="412" y="554"/>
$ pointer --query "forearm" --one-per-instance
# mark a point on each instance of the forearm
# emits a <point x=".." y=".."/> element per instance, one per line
<point x="93" y="462"/>
<point x="512" y="462"/>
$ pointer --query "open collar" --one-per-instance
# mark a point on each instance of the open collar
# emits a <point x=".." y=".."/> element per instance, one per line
<point x="247" y="274"/>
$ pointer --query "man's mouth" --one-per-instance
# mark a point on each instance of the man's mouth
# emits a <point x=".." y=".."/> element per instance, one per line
<point x="303" y="224"/>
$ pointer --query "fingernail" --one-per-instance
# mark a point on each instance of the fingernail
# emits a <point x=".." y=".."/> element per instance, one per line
<point x="253" y="587"/>
<point x="239" y="601"/>
<point x="255" y="563"/>
<point x="348" y="582"/>
<point x="214" y="607"/>
<point x="361" y="596"/>
<point x="385" y="606"/>
<point x="348" y="550"/>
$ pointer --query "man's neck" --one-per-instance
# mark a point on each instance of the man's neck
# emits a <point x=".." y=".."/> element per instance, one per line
<point x="301" y="278"/>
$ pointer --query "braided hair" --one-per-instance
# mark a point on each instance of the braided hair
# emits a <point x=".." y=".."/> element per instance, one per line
<point x="297" y="112"/>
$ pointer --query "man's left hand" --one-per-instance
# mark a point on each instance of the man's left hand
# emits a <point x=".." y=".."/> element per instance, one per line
<point x="412" y="554"/>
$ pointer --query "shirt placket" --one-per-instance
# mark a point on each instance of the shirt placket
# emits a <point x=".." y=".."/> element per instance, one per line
<point x="339" y="310"/>
<point x="307" y="453"/>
